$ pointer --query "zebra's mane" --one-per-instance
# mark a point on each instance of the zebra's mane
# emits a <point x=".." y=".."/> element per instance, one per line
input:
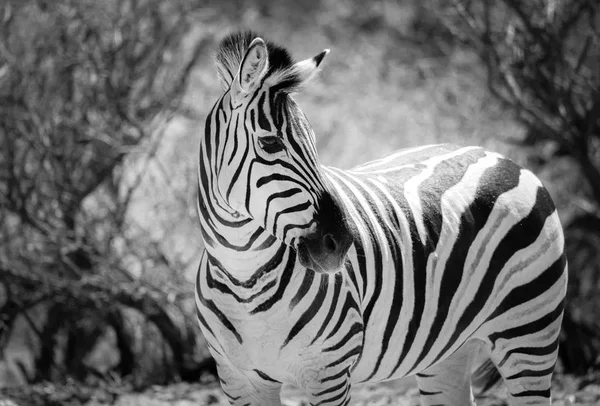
<point x="232" y="49"/>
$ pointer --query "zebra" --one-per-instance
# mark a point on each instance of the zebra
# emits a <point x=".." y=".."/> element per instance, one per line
<point x="407" y="265"/>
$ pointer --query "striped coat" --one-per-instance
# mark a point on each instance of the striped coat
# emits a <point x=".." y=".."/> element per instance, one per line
<point x="409" y="265"/>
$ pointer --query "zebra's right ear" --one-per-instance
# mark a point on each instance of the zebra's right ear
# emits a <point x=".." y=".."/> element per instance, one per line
<point x="308" y="68"/>
<point x="253" y="68"/>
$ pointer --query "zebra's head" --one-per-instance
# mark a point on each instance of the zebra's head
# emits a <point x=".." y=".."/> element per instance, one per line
<point x="263" y="152"/>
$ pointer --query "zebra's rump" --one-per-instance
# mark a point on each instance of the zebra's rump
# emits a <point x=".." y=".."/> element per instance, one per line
<point x="462" y="242"/>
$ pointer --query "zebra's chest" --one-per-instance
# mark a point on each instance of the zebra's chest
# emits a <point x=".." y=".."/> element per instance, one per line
<point x="296" y="331"/>
<point x="258" y="344"/>
<point x="265" y="345"/>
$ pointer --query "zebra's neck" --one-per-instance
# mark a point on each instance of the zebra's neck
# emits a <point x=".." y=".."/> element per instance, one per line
<point x="240" y="251"/>
<point x="245" y="255"/>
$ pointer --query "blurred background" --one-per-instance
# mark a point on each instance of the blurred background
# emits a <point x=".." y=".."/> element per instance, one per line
<point x="102" y="104"/>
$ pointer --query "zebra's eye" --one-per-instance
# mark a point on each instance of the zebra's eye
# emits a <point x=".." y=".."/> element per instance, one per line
<point x="271" y="144"/>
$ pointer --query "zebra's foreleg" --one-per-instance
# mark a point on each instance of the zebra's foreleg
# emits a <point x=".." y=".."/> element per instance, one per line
<point x="333" y="390"/>
<point x="255" y="390"/>
<point x="449" y="381"/>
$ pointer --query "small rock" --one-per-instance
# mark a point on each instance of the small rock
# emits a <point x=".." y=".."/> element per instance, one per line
<point x="212" y="400"/>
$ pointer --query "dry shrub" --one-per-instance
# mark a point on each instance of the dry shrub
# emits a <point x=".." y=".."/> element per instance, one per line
<point x="86" y="86"/>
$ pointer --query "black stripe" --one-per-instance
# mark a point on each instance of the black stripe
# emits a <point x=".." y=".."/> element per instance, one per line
<point x="278" y="165"/>
<point x="268" y="242"/>
<point x="423" y="375"/>
<point x="208" y="129"/>
<point x="211" y="215"/>
<point x="529" y="328"/>
<point x="375" y="244"/>
<point x="521" y="235"/>
<point x="303" y="290"/>
<point x="265" y="376"/>
<point x="445" y="175"/>
<point x="335" y="398"/>
<point x="493" y="182"/>
<point x="349" y="303"/>
<point x="532" y="373"/>
<point x="286" y="276"/>
<point x="361" y="258"/>
<point x="331" y="389"/>
<point x="237" y="173"/>
<point x="232" y="398"/>
<point x="351" y="353"/>
<point x="529" y="291"/>
<point x="210" y="305"/>
<point x="217" y="134"/>
<point x="224" y="289"/>
<point x="535" y="351"/>
<point x="263" y="122"/>
<point x="293" y="209"/>
<point x="352" y="275"/>
<point x="276" y="177"/>
<point x="357" y="239"/>
<point x="289" y="227"/>
<point x="426" y="393"/>
<point x="530" y="393"/>
<point x="397" y="296"/>
<point x="355" y="329"/>
<point x="253" y="119"/>
<point x="223" y="319"/>
<point x="310" y="313"/>
<point x="332" y="307"/>
<point x="339" y="375"/>
<point x="202" y="209"/>
<point x="279" y="195"/>
<point x="266" y="268"/>
<point x="302" y="156"/>
<point x="310" y="171"/>
<point x="419" y="288"/>
<point x="203" y="322"/>
<point x="235" y="139"/>
<point x="218" y="150"/>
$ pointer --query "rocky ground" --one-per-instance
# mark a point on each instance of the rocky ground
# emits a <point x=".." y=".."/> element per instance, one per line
<point x="568" y="390"/>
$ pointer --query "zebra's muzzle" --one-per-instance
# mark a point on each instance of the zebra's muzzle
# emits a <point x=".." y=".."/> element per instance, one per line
<point x="324" y="252"/>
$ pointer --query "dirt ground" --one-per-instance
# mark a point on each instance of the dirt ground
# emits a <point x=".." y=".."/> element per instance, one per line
<point x="398" y="393"/>
<point x="567" y="391"/>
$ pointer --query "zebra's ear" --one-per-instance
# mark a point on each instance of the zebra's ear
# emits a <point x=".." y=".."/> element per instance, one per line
<point x="253" y="68"/>
<point x="306" y="69"/>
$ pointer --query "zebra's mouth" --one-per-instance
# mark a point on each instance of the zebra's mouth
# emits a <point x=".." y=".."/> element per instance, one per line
<point x="319" y="261"/>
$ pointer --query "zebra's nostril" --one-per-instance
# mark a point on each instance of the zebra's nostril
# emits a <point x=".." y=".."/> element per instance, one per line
<point x="329" y="243"/>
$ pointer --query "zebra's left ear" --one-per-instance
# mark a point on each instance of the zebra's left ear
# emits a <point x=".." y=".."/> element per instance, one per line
<point x="306" y="69"/>
<point x="253" y="68"/>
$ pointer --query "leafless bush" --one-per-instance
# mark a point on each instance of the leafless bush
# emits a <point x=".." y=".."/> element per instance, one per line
<point x="543" y="61"/>
<point x="85" y="87"/>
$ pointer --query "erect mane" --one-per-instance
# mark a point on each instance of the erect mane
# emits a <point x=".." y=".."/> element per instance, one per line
<point x="232" y="49"/>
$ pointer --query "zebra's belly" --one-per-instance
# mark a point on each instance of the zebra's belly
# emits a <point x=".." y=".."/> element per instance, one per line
<point x="362" y="372"/>
<point x="392" y="367"/>
<point x="402" y="354"/>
